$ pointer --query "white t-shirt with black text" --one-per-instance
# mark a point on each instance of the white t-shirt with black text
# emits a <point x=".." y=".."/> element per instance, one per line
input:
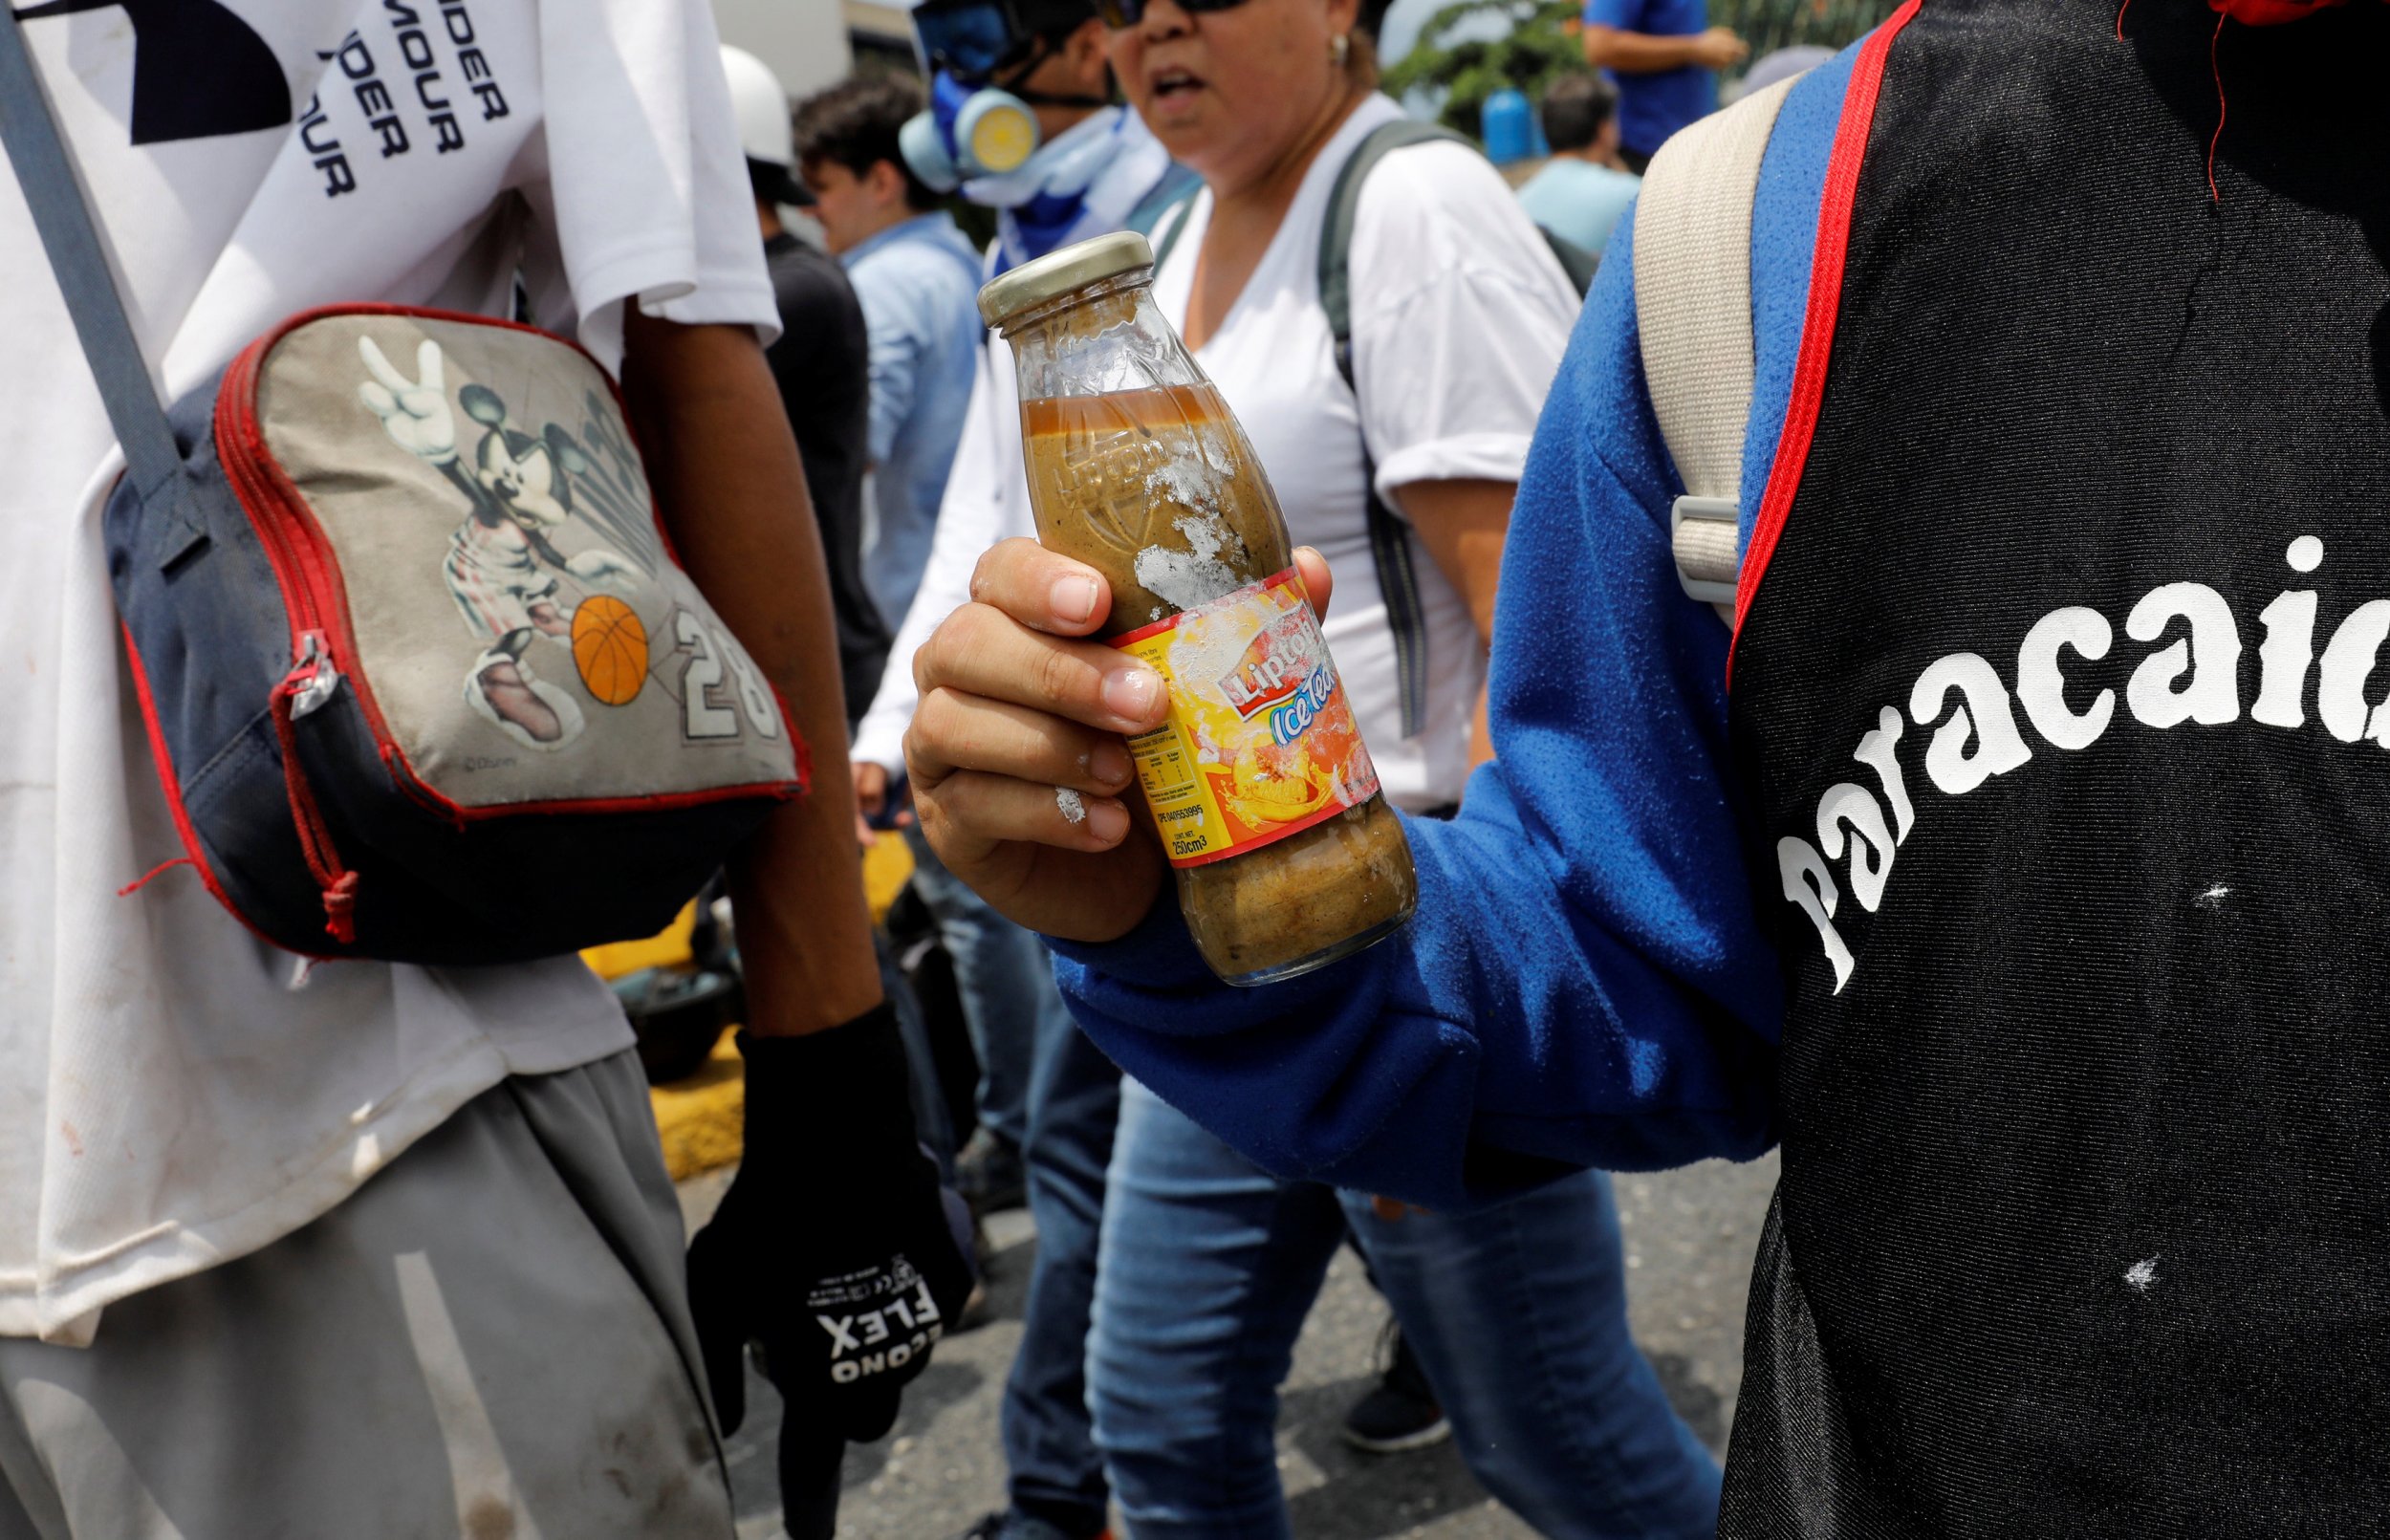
<point x="173" y="1092"/>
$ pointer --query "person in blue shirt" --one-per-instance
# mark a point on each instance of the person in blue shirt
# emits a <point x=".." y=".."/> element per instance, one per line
<point x="1663" y="56"/>
<point x="918" y="278"/>
<point x="1582" y="189"/>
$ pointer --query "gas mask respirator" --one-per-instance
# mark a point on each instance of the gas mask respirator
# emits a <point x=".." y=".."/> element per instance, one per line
<point x="979" y="133"/>
<point x="969" y="132"/>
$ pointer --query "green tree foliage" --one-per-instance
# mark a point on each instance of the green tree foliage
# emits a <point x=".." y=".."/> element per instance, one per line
<point x="1535" y="51"/>
<point x="1542" y="44"/>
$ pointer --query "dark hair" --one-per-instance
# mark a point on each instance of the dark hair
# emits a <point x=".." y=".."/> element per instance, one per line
<point x="854" y="124"/>
<point x="1575" y="108"/>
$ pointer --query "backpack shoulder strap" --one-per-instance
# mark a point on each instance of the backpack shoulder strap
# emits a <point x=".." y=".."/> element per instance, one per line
<point x="1178" y="185"/>
<point x="1693" y="309"/>
<point x="1389" y="539"/>
<point x="1336" y="230"/>
<point x="70" y="236"/>
<point x="1579" y="263"/>
<point x="1169" y="226"/>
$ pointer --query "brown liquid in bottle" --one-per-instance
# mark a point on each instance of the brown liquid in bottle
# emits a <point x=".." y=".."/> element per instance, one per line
<point x="1159" y="489"/>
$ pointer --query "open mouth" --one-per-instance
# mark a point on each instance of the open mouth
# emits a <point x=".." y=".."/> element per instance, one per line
<point x="1174" y="85"/>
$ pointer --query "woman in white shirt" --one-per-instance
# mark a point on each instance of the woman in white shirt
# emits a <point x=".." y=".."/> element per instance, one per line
<point x="1460" y="313"/>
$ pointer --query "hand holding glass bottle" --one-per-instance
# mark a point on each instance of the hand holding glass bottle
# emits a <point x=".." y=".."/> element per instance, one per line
<point x="1256" y="781"/>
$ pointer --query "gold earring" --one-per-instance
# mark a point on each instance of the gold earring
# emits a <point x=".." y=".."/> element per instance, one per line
<point x="1339" y="49"/>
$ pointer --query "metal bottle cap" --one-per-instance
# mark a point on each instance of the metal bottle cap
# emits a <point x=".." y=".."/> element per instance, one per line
<point x="1057" y="273"/>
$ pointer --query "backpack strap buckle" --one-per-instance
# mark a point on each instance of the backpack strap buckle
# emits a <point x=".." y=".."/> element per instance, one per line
<point x="1693" y="311"/>
<point x="1702" y="534"/>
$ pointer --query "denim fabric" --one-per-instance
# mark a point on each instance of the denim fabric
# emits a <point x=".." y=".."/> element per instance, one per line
<point x="1007" y="984"/>
<point x="1057" y="1477"/>
<point x="1205" y="1271"/>
<point x="1208" y="1267"/>
<point x="919" y="284"/>
<point x="1518" y="1315"/>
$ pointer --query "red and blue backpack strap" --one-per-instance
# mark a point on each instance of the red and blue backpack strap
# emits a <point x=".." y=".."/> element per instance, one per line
<point x="1821" y="136"/>
<point x="1798" y="225"/>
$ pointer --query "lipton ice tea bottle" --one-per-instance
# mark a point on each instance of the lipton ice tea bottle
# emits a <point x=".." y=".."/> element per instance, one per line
<point x="1286" y="853"/>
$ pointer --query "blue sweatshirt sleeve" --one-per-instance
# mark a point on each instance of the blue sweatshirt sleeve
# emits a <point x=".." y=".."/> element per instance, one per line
<point x="1586" y="981"/>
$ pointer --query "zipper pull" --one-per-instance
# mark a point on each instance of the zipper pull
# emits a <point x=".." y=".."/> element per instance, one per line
<point x="312" y="678"/>
<point x="308" y="685"/>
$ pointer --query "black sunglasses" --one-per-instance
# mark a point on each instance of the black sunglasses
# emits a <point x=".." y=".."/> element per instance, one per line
<point x="1119" y="14"/>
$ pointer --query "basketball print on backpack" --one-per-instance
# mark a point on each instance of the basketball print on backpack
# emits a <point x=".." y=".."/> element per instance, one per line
<point x="511" y="583"/>
<point x="610" y="649"/>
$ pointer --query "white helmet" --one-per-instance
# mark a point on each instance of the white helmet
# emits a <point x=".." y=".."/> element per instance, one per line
<point x="761" y="108"/>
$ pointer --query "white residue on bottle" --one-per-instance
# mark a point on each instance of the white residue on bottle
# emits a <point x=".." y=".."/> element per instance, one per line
<point x="1193" y="576"/>
<point x="1185" y="479"/>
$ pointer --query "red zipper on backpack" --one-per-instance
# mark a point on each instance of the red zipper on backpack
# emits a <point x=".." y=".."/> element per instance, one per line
<point x="288" y="536"/>
<point x="296" y="544"/>
<point x="311" y="682"/>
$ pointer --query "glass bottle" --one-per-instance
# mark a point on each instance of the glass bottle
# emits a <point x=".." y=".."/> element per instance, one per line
<point x="1258" y="785"/>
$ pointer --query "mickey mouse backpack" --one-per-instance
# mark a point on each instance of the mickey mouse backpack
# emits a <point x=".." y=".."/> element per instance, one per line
<point x="422" y="676"/>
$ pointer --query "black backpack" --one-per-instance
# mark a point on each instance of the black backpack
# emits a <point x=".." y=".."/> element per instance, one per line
<point x="1389" y="537"/>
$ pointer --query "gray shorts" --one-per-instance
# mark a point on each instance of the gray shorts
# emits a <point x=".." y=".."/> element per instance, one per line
<point x="490" y="1340"/>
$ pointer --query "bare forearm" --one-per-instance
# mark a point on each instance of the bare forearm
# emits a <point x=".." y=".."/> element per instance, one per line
<point x="1607" y="48"/>
<point x="727" y="475"/>
<point x="1463" y="523"/>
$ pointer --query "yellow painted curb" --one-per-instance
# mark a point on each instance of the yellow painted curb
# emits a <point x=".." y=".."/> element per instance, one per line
<point x="701" y="1118"/>
<point x="667" y="948"/>
<point x="887" y="866"/>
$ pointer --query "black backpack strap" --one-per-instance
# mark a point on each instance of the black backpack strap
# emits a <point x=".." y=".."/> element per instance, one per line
<point x="46" y="174"/>
<point x="1389" y="537"/>
<point x="1579" y="263"/>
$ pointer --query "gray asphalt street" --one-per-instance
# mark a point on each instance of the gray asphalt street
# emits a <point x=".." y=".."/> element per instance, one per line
<point x="1689" y="1238"/>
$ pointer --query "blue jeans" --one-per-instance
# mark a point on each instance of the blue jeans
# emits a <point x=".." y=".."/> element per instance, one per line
<point x="1208" y="1266"/>
<point x="1006" y="981"/>
<point x="1057" y="1476"/>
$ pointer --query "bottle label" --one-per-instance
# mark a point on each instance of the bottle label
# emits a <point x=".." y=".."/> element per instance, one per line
<point x="1260" y="742"/>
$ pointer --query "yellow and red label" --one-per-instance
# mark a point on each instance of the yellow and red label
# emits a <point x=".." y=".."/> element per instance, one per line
<point x="1260" y="742"/>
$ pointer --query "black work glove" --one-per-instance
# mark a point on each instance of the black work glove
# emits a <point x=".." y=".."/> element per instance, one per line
<point x="832" y="1249"/>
